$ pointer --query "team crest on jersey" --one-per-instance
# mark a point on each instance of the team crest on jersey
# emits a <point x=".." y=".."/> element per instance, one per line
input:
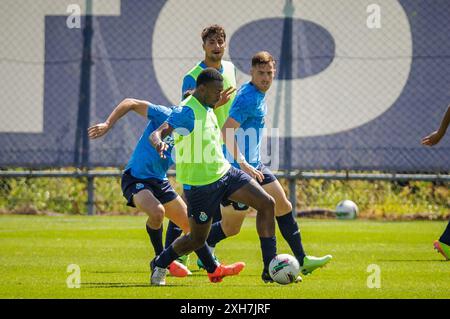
<point x="139" y="186"/>
<point x="169" y="140"/>
<point x="203" y="217"/>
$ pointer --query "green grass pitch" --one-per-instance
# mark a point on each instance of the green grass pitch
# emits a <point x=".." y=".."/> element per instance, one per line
<point x="113" y="255"/>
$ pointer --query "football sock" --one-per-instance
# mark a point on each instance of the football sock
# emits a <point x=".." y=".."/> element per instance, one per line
<point x="166" y="257"/>
<point x="156" y="239"/>
<point x="172" y="233"/>
<point x="217" y="217"/>
<point x="445" y="238"/>
<point x="289" y="229"/>
<point x="207" y="258"/>
<point x="216" y="234"/>
<point x="268" y="249"/>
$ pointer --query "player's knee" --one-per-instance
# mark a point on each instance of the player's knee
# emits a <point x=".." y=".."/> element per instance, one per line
<point x="268" y="203"/>
<point x="266" y="207"/>
<point x="156" y="214"/>
<point x="283" y="207"/>
<point x="232" y="230"/>
<point x="196" y="242"/>
<point x="264" y="203"/>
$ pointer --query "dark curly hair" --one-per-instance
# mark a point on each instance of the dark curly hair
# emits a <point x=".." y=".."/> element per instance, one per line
<point x="214" y="29"/>
<point x="208" y="75"/>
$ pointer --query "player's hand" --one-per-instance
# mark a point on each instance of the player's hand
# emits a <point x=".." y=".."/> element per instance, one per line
<point x="160" y="148"/>
<point x="432" y="139"/>
<point x="253" y="172"/>
<point x="98" y="130"/>
<point x="225" y="96"/>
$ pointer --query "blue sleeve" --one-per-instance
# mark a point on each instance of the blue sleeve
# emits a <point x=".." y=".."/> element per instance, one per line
<point x="182" y="120"/>
<point x="240" y="109"/>
<point x="158" y="113"/>
<point x="188" y="84"/>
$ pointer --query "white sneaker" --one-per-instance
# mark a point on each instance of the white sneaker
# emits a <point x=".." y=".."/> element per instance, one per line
<point x="158" y="276"/>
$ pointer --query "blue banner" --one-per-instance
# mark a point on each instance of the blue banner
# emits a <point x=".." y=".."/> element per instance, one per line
<point x="357" y="85"/>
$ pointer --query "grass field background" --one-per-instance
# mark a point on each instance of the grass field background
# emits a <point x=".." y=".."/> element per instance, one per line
<point x="113" y="253"/>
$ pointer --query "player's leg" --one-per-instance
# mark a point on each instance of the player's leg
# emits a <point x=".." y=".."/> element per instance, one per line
<point x="197" y="237"/>
<point x="207" y="199"/>
<point x="228" y="225"/>
<point x="209" y="263"/>
<point x="288" y="226"/>
<point x="216" y="233"/>
<point x="285" y="220"/>
<point x="176" y="212"/>
<point x="193" y="241"/>
<point x="252" y="194"/>
<point x="181" y="246"/>
<point x="146" y="202"/>
<point x="203" y="202"/>
<point x="153" y="198"/>
<point x="172" y="233"/>
<point x="232" y="220"/>
<point x="443" y="244"/>
<point x="139" y="192"/>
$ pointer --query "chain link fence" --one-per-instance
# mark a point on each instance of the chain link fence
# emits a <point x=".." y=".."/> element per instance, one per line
<point x="311" y="193"/>
<point x="358" y="84"/>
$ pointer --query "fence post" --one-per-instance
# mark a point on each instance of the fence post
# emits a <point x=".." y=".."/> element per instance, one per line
<point x="83" y="118"/>
<point x="91" y="196"/>
<point x="293" y="193"/>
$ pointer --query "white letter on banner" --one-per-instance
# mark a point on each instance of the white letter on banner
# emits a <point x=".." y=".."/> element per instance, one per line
<point x="374" y="19"/>
<point x="74" y="19"/>
<point x="22" y="77"/>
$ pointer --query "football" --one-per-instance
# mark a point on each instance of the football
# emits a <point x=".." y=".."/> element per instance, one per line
<point x="346" y="209"/>
<point x="284" y="269"/>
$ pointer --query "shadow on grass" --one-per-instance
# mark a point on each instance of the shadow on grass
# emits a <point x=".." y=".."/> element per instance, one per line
<point x="124" y="285"/>
<point x="118" y="272"/>
<point x="412" y="260"/>
<point x="172" y="284"/>
<point x="103" y="285"/>
<point x="113" y="285"/>
<point x="194" y="272"/>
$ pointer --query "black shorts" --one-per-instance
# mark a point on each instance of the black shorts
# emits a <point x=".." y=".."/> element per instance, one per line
<point x="268" y="178"/>
<point x="204" y="201"/>
<point x="268" y="175"/>
<point x="161" y="189"/>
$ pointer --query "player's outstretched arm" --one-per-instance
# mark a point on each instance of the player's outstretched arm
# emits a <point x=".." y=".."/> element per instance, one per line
<point x="156" y="138"/>
<point x="127" y="105"/>
<point x="436" y="136"/>
<point x="229" y="139"/>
